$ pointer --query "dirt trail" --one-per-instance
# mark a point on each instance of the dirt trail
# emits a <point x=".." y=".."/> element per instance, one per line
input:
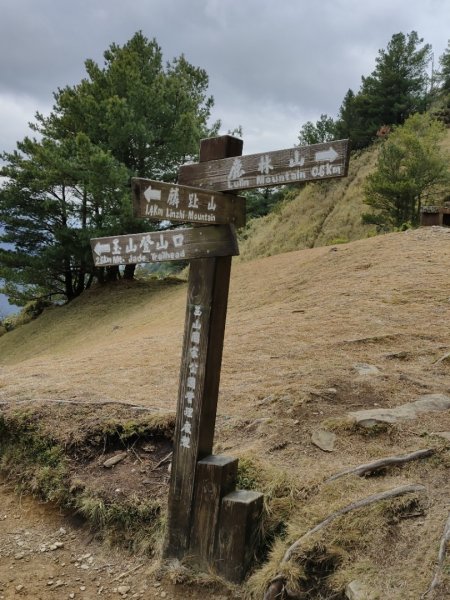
<point x="46" y="555"/>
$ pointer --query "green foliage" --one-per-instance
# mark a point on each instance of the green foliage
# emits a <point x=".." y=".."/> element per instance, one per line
<point x="411" y="169"/>
<point x="261" y="201"/>
<point x="324" y="130"/>
<point x="396" y="89"/>
<point x="133" y="116"/>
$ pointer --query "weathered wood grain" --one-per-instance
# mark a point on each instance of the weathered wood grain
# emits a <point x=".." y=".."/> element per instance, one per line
<point x="169" y="245"/>
<point x="294" y="165"/>
<point x="158" y="201"/>
<point x="240" y="517"/>
<point x="209" y="280"/>
<point x="215" y="477"/>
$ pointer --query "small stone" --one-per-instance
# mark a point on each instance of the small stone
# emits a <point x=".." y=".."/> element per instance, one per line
<point x="19" y="588"/>
<point x="19" y="555"/>
<point x="123" y="589"/>
<point x="82" y="588"/>
<point x="356" y="590"/>
<point x="443" y="434"/>
<point x="365" y="369"/>
<point x="114" y="460"/>
<point x="163" y="594"/>
<point x="324" y="440"/>
<point x="71" y="595"/>
<point x="59" y="583"/>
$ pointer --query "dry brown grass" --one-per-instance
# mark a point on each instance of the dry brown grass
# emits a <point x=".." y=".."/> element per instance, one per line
<point x="297" y="325"/>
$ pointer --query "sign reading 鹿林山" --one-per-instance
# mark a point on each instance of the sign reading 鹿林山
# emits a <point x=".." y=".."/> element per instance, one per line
<point x="281" y="167"/>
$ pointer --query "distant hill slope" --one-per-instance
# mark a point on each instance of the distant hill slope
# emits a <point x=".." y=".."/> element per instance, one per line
<point x="321" y="214"/>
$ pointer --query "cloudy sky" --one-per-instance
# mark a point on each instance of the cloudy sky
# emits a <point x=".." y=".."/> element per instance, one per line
<point x="273" y="64"/>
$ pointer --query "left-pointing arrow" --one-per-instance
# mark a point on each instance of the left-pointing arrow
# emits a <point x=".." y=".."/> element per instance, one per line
<point x="99" y="248"/>
<point x="151" y="194"/>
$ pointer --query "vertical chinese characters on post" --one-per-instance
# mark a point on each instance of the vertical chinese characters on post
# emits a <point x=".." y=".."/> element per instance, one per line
<point x="191" y="377"/>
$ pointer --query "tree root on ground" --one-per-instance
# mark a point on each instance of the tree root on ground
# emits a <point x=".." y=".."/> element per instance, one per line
<point x="382" y="463"/>
<point x="277" y="589"/>
<point x="445" y="540"/>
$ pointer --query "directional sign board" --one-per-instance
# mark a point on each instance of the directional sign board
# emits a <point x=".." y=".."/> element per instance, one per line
<point x="160" y="201"/>
<point x="174" y="244"/>
<point x="295" y="165"/>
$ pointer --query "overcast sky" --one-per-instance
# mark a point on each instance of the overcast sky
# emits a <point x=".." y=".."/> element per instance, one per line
<point x="273" y="64"/>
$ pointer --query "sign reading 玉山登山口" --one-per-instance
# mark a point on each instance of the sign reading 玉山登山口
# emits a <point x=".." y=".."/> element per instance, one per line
<point x="169" y="245"/>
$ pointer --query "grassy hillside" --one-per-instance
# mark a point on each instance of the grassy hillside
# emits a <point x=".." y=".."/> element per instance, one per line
<point x="311" y="336"/>
<point x="318" y="215"/>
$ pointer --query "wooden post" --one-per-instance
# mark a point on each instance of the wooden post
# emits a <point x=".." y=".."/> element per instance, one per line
<point x="208" y="286"/>
<point x="215" y="477"/>
<point x="240" y="518"/>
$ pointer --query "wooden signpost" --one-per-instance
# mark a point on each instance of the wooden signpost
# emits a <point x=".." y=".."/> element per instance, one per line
<point x="168" y="245"/>
<point x="295" y="165"/>
<point x="156" y="200"/>
<point x="209" y="521"/>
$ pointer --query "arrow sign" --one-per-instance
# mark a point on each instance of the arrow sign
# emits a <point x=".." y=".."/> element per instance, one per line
<point x="168" y="245"/>
<point x="152" y="195"/>
<point x="159" y="201"/>
<point x="329" y="155"/>
<point x="100" y="248"/>
<point x="281" y="167"/>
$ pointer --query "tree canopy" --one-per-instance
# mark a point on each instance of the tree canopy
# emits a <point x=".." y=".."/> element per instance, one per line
<point x="411" y="168"/>
<point x="396" y="89"/>
<point x="133" y="116"/>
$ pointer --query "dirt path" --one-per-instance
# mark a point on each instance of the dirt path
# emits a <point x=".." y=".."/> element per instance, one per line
<point x="47" y="555"/>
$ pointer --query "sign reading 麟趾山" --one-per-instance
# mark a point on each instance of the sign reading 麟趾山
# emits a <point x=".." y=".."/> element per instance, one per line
<point x="281" y="167"/>
<point x="158" y="201"/>
<point x="174" y="244"/>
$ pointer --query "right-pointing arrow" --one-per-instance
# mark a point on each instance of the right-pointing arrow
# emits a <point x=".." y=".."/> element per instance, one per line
<point x="329" y="155"/>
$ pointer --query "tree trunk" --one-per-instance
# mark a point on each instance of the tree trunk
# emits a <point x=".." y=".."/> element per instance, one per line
<point x="129" y="272"/>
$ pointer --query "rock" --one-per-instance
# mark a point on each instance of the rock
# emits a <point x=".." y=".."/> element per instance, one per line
<point x="324" y="440"/>
<point x="114" y="460"/>
<point x="19" y="555"/>
<point x="425" y="403"/>
<point x="365" y="369"/>
<point x="71" y="595"/>
<point x="123" y="589"/>
<point x="356" y="590"/>
<point x="443" y="434"/>
<point x="19" y="588"/>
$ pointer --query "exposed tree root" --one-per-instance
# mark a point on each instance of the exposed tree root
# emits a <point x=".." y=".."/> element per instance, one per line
<point x="382" y="463"/>
<point x="445" y="540"/>
<point x="277" y="586"/>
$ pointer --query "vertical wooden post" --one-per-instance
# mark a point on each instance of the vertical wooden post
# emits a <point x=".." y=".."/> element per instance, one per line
<point x="215" y="477"/>
<point x="239" y="526"/>
<point x="207" y="303"/>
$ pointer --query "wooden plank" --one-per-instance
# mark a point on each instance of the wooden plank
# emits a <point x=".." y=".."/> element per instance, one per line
<point x="239" y="526"/>
<point x="215" y="477"/>
<point x="207" y="302"/>
<point x="158" y="201"/>
<point x="281" y="167"/>
<point x="169" y="245"/>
